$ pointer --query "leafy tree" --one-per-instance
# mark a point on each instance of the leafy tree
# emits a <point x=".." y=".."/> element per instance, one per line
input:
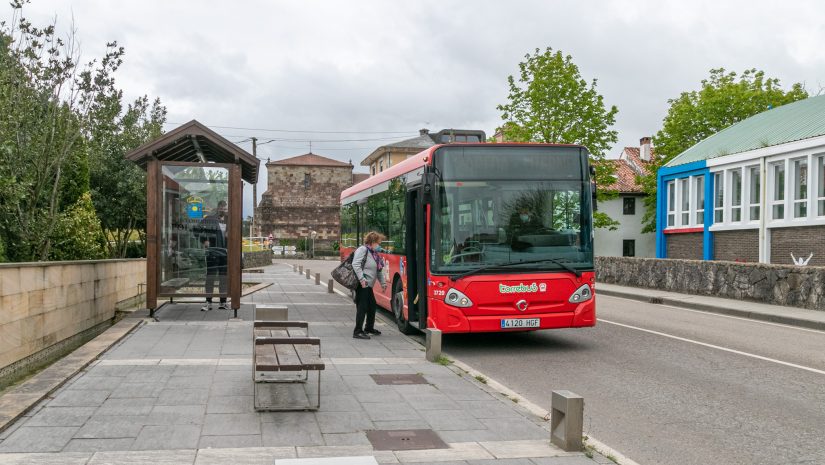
<point x="77" y="234"/>
<point x="550" y="102"/>
<point x="46" y="97"/>
<point x="724" y="99"/>
<point x="118" y="186"/>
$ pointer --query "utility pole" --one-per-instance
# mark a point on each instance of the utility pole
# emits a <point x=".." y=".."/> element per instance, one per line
<point x="254" y="190"/>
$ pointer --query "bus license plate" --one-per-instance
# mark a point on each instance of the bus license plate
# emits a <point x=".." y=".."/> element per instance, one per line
<point x="520" y="323"/>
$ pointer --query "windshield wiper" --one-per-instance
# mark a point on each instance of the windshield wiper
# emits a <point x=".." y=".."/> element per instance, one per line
<point x="499" y="265"/>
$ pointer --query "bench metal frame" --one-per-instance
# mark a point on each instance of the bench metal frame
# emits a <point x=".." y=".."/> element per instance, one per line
<point x="287" y="341"/>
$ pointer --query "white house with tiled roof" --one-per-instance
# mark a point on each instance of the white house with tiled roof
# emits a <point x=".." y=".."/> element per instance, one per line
<point x="627" y="208"/>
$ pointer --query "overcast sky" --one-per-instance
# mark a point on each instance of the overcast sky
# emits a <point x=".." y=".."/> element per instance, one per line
<point x="389" y="68"/>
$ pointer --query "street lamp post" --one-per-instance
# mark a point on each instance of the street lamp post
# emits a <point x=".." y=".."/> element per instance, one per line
<point x="313" y="234"/>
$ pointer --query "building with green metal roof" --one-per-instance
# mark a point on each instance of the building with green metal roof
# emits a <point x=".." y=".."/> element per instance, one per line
<point x="753" y="192"/>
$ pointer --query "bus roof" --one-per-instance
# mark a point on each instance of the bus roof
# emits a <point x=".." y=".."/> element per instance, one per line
<point x="418" y="160"/>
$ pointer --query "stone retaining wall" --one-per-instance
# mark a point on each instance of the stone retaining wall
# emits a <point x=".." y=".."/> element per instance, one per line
<point x="794" y="286"/>
<point x="44" y="303"/>
<point x="257" y="259"/>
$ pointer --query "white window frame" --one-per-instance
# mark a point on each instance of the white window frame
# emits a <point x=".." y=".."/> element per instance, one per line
<point x="719" y="177"/>
<point x="819" y="187"/>
<point x="681" y="211"/>
<point x="772" y="200"/>
<point x="803" y="202"/>
<point x="747" y="201"/>
<point x="729" y="206"/>
<point x="671" y="201"/>
<point x="698" y="204"/>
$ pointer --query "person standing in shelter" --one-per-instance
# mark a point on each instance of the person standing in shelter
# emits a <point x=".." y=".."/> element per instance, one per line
<point x="368" y="267"/>
<point x="213" y="238"/>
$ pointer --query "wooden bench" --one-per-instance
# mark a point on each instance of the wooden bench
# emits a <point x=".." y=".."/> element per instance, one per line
<point x="283" y="353"/>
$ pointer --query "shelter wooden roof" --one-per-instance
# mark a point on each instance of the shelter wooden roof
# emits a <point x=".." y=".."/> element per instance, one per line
<point x="194" y="142"/>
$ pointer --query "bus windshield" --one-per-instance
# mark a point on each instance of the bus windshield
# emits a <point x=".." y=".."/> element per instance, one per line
<point x="504" y="205"/>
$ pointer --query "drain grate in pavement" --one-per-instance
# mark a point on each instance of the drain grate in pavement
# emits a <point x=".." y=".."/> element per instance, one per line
<point x="410" y="439"/>
<point x="399" y="379"/>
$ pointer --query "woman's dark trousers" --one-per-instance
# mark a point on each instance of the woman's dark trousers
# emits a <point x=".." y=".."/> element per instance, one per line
<point x="365" y="305"/>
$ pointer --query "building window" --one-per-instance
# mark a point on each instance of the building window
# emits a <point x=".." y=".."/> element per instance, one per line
<point x="736" y="195"/>
<point x="373" y="169"/>
<point x="381" y="166"/>
<point x="820" y="185"/>
<point x="800" y="187"/>
<point x="777" y="171"/>
<point x="719" y="197"/>
<point x="699" y="195"/>
<point x="629" y="248"/>
<point x="754" y="193"/>
<point x="684" y="201"/>
<point x="307" y="180"/>
<point x="629" y="207"/>
<point x="671" y="204"/>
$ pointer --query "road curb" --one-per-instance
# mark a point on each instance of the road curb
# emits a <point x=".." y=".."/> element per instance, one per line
<point x="771" y="318"/>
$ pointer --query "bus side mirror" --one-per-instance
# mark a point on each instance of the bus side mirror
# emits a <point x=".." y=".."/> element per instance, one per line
<point x="593" y="190"/>
<point x="428" y="187"/>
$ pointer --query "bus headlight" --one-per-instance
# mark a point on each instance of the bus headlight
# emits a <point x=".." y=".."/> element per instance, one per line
<point x="582" y="294"/>
<point x="457" y="299"/>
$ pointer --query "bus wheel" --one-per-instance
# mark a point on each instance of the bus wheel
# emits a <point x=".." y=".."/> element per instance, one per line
<point x="398" y="308"/>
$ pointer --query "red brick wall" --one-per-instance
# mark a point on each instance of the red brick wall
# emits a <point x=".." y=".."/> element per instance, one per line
<point x="800" y="241"/>
<point x="736" y="246"/>
<point x="686" y="246"/>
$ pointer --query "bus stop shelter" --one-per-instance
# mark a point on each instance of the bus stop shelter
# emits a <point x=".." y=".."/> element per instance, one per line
<point x="194" y="210"/>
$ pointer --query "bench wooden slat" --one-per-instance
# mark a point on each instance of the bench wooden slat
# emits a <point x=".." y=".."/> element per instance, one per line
<point x="288" y="359"/>
<point x="281" y="324"/>
<point x="309" y="357"/>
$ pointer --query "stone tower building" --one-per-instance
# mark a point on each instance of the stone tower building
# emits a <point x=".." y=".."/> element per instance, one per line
<point x="303" y="195"/>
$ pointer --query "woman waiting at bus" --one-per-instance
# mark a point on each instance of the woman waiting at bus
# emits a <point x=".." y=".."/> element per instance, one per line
<point x="367" y="265"/>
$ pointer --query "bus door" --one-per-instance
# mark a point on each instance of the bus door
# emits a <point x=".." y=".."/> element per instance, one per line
<point x="416" y="258"/>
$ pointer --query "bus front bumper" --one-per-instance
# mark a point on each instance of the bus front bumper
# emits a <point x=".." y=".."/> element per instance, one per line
<point x="452" y="320"/>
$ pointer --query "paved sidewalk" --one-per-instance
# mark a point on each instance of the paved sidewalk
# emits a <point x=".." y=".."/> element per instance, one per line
<point x="180" y="391"/>
<point x="813" y="319"/>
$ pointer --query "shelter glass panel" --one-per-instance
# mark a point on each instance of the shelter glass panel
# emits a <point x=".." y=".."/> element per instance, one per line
<point x="193" y="230"/>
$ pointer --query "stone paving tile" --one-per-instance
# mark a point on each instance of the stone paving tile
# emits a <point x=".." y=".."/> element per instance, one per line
<point x="168" y="437"/>
<point x="230" y="404"/>
<point x="206" y="442"/>
<point x="176" y="415"/>
<point x="290" y="429"/>
<point x="445" y="420"/>
<point x="339" y="402"/>
<point x="576" y="460"/>
<point x="391" y="411"/>
<point x="133" y="390"/>
<point x="155" y="457"/>
<point x="183" y="396"/>
<point x="344" y="422"/>
<point x="80" y="398"/>
<point x="61" y="416"/>
<point x="501" y="462"/>
<point x="126" y="407"/>
<point x="38" y="439"/>
<point x="488" y="409"/>
<point x="401" y="424"/>
<point x="346" y="439"/>
<point x="515" y="429"/>
<point x="183" y="382"/>
<point x="95" y="382"/>
<point x="110" y="427"/>
<point x="231" y="424"/>
<point x="233" y="387"/>
<point x="74" y="458"/>
<point x="95" y="445"/>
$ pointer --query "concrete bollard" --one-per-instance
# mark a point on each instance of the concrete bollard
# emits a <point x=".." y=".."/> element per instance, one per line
<point x="566" y="420"/>
<point x="271" y="312"/>
<point x="318" y="279"/>
<point x="433" y="344"/>
<point x="300" y="269"/>
<point x="307" y="273"/>
<point x="329" y="287"/>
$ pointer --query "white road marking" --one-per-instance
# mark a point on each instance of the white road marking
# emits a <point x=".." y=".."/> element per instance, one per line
<point x="721" y="315"/>
<point x="712" y="346"/>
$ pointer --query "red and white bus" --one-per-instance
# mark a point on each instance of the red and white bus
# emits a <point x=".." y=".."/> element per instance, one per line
<point x="482" y="237"/>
